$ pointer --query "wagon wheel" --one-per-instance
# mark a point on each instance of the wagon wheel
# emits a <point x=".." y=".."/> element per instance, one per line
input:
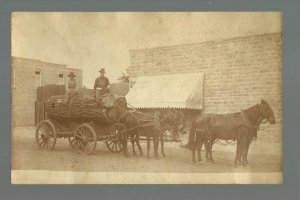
<point x="71" y="139"/>
<point x="85" y="139"/>
<point x="45" y="135"/>
<point x="115" y="145"/>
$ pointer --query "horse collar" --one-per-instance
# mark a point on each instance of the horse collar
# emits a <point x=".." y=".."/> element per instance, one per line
<point x="245" y="118"/>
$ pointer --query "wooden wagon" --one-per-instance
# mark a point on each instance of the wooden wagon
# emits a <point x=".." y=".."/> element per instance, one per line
<point x="82" y="121"/>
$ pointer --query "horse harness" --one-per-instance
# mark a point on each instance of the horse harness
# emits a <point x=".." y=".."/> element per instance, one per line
<point x="253" y="127"/>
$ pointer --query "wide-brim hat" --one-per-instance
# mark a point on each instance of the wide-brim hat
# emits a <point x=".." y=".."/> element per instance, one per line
<point x="102" y="70"/>
<point x="71" y="74"/>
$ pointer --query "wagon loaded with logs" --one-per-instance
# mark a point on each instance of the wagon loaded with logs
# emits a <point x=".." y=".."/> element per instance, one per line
<point x="83" y="121"/>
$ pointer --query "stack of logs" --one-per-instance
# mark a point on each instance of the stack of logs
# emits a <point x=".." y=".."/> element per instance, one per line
<point x="79" y="107"/>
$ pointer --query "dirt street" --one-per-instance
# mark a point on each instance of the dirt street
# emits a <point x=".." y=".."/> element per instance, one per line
<point x="27" y="156"/>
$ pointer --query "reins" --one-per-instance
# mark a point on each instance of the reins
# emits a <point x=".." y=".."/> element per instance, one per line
<point x="136" y="118"/>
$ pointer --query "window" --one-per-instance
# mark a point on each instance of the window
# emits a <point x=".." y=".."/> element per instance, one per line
<point x="61" y="79"/>
<point x="37" y="78"/>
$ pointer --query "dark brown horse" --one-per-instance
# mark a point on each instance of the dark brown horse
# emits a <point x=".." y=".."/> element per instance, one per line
<point x="137" y="124"/>
<point x="241" y="126"/>
<point x="170" y="120"/>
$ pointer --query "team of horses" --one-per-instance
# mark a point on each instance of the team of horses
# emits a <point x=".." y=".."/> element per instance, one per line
<point x="204" y="129"/>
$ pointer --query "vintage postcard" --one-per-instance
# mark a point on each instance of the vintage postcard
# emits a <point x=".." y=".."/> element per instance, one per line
<point x="146" y="97"/>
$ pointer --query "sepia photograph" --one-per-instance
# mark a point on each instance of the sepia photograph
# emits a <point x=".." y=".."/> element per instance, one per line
<point x="146" y="98"/>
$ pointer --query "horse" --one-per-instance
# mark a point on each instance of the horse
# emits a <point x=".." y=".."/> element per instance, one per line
<point x="169" y="120"/>
<point x="241" y="126"/>
<point x="138" y="123"/>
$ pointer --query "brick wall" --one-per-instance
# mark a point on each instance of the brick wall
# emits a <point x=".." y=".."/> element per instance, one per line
<point x="25" y="81"/>
<point x="238" y="72"/>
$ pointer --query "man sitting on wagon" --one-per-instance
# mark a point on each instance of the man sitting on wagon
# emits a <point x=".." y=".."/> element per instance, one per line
<point x="101" y="85"/>
<point x="71" y="87"/>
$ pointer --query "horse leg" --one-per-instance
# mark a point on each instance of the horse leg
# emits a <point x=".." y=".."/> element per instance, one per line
<point x="199" y="147"/>
<point x="162" y="145"/>
<point x="193" y="152"/>
<point x="132" y="143"/>
<point x="199" y="151"/>
<point x="137" y="140"/>
<point x="237" y="159"/>
<point x="206" y="149"/>
<point x="148" y="146"/>
<point x="243" y="151"/>
<point x="125" y="149"/>
<point x="210" y="149"/>
<point x="155" y="145"/>
<point x="247" y="149"/>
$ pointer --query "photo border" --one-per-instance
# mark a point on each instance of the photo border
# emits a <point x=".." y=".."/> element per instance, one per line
<point x="291" y="109"/>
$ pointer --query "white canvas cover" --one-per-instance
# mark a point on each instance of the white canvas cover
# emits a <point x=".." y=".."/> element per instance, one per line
<point x="168" y="91"/>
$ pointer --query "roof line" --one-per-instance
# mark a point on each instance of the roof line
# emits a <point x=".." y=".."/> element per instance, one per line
<point x="208" y="41"/>
<point x="32" y="59"/>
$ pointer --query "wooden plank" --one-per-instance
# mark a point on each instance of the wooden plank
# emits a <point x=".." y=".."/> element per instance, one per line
<point x="39" y="111"/>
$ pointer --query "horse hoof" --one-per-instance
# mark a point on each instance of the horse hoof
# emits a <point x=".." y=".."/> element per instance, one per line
<point x="164" y="155"/>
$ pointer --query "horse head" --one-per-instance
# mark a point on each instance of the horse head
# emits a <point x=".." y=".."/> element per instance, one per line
<point x="119" y="107"/>
<point x="267" y="112"/>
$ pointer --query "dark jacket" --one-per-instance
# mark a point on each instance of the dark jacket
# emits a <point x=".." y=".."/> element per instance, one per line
<point x="101" y="82"/>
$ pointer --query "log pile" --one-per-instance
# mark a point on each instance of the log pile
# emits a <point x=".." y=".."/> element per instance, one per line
<point x="79" y="107"/>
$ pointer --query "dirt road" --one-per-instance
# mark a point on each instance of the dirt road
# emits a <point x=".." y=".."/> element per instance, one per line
<point x="27" y="156"/>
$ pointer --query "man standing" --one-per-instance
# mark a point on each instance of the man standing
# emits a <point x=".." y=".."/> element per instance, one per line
<point x="101" y="84"/>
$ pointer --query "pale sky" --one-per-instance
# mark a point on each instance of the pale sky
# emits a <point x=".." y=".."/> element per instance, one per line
<point x="90" y="41"/>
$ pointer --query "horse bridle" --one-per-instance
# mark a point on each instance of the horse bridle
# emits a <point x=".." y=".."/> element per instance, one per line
<point x="261" y="117"/>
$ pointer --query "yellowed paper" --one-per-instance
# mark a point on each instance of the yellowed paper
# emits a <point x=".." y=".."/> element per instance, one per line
<point x="190" y="62"/>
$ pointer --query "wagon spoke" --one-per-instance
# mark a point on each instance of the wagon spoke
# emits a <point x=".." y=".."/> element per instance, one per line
<point x="116" y="146"/>
<point x="47" y="144"/>
<point x="80" y="131"/>
<point x="87" y="146"/>
<point x="84" y="137"/>
<point x="113" y="146"/>
<point x="44" y="143"/>
<point x="78" y="136"/>
<point x="40" y="143"/>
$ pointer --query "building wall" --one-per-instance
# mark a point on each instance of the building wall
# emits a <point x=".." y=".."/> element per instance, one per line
<point x="25" y="82"/>
<point x="238" y="72"/>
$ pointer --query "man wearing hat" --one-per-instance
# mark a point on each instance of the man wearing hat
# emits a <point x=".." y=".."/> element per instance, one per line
<point x="71" y="87"/>
<point x="101" y="84"/>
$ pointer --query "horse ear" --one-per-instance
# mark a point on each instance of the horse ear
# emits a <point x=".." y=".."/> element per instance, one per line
<point x="263" y="101"/>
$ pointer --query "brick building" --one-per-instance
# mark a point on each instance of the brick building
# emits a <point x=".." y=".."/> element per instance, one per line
<point x="27" y="75"/>
<point x="238" y="72"/>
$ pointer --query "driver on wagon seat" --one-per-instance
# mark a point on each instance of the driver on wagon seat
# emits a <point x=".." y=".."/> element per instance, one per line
<point x="101" y="85"/>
